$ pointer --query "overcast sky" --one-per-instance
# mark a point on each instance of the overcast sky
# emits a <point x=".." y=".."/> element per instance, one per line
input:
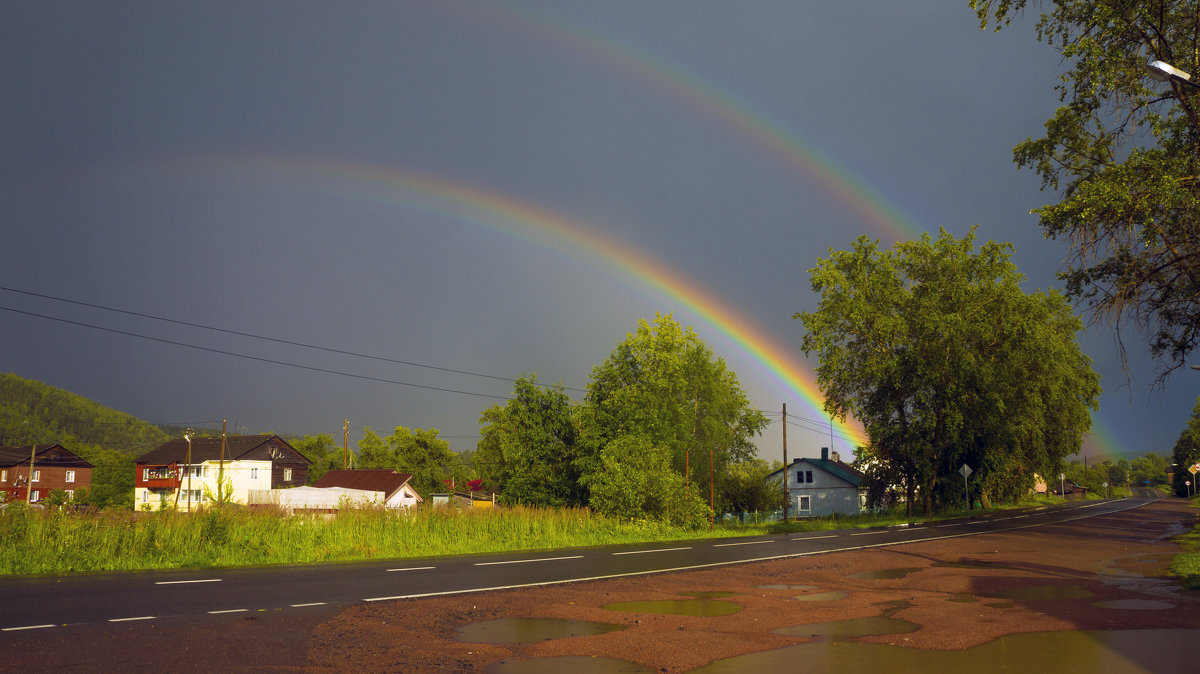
<point x="491" y="188"/>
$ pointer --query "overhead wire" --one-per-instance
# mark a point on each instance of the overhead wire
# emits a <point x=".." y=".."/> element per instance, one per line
<point x="266" y="338"/>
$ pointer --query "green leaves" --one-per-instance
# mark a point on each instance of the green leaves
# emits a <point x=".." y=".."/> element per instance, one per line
<point x="937" y="350"/>
<point x="1125" y="152"/>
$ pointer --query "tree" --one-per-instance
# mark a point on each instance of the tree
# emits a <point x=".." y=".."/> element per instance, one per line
<point x="1185" y="453"/>
<point x="528" y="447"/>
<point x="323" y="452"/>
<point x="1149" y="470"/>
<point x="1124" y="150"/>
<point x="433" y="466"/>
<point x="656" y="408"/>
<point x="935" y="348"/>
<point x="745" y="487"/>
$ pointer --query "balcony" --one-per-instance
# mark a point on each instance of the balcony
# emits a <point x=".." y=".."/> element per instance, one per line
<point x="159" y="477"/>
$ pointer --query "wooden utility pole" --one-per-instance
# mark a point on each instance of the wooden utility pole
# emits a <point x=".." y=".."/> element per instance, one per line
<point x="221" y="466"/>
<point x="29" y="482"/>
<point x="786" y="495"/>
<point x="346" y="445"/>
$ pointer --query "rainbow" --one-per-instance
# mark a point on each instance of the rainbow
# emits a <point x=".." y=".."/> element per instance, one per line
<point x="744" y="120"/>
<point x="543" y="227"/>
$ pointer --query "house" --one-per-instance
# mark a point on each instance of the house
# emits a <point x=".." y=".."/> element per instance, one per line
<point x="821" y="487"/>
<point x="54" y="467"/>
<point x="167" y="477"/>
<point x="398" y="493"/>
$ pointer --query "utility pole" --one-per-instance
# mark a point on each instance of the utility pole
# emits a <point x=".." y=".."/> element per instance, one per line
<point x="346" y="445"/>
<point x="29" y="482"/>
<point x="221" y="467"/>
<point x="786" y="495"/>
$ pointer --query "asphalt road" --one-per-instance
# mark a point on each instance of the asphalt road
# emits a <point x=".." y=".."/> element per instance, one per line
<point x="61" y="601"/>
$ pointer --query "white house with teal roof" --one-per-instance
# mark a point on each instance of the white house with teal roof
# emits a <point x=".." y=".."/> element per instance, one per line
<point x="822" y="487"/>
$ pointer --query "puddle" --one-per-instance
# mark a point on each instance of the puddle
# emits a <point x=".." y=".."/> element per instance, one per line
<point x="886" y="573"/>
<point x="529" y="630"/>
<point x="703" y="608"/>
<point x="890" y="607"/>
<point x="576" y="664"/>
<point x="822" y="596"/>
<point x="785" y="587"/>
<point x="845" y="629"/>
<point x="963" y="598"/>
<point x="1043" y="592"/>
<point x="1135" y="604"/>
<point x="1117" y="652"/>
<point x="972" y="564"/>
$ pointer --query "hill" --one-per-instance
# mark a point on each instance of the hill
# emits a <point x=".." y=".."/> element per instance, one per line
<point x="33" y="412"/>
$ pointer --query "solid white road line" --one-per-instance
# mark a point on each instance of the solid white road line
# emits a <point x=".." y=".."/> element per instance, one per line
<point x="414" y="568"/>
<point x="141" y="617"/>
<point x="729" y="545"/>
<point x="185" y="582"/>
<point x="25" y="627"/>
<point x="642" y="552"/>
<point x="524" y="561"/>
<point x="230" y="610"/>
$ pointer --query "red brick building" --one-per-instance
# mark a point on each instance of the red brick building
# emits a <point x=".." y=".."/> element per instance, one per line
<point x="54" y="467"/>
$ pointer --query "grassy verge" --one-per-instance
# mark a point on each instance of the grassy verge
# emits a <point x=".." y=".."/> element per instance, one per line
<point x="1187" y="565"/>
<point x="35" y="541"/>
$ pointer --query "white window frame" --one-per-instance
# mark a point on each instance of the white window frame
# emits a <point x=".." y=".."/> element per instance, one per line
<point x="37" y="476"/>
<point x="70" y="493"/>
<point x="254" y="473"/>
<point x="287" y="474"/>
<point x="70" y="476"/>
<point x="3" y="476"/>
<point x="145" y="475"/>
<point x="37" y="495"/>
<point x="804" y="504"/>
<point x="145" y="496"/>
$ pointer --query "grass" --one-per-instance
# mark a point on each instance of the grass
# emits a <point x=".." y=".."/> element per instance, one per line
<point x="36" y="541"/>
<point x="1186" y="566"/>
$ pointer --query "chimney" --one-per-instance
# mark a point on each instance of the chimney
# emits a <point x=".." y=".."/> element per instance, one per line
<point x="824" y="453"/>
<point x="837" y="458"/>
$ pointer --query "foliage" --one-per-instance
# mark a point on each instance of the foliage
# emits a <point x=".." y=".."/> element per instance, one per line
<point x="323" y="452"/>
<point x="935" y="348"/>
<point x="433" y="466"/>
<point x="655" y="408"/>
<point x="32" y="412"/>
<point x="745" y="487"/>
<point x="528" y="447"/>
<point x="1186" y="453"/>
<point x="1148" y="470"/>
<point x="1124" y="150"/>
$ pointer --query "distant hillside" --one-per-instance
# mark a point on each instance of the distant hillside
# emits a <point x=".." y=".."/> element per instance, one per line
<point x="32" y="412"/>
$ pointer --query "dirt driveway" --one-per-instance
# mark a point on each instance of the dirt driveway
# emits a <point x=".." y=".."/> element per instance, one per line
<point x="959" y="592"/>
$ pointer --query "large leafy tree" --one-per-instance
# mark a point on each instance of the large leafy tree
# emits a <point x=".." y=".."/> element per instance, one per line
<point x="528" y="447"/>
<point x="323" y="452"/>
<point x="1148" y="470"/>
<point x="658" y="411"/>
<point x="421" y="453"/>
<point x="1186" y="452"/>
<point x="1123" y="152"/>
<point x="935" y="348"/>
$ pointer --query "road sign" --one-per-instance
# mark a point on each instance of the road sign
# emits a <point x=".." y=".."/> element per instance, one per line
<point x="965" y="471"/>
<point x="1194" y="468"/>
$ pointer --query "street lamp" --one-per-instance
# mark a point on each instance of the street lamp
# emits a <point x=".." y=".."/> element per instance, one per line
<point x="1165" y="72"/>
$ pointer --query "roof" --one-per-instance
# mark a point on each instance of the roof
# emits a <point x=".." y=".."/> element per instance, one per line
<point x="237" y="447"/>
<point x="843" y="471"/>
<point x="49" y="455"/>
<point x="385" y="480"/>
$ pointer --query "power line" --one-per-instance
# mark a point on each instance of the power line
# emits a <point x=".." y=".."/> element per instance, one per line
<point x="255" y="358"/>
<point x="271" y="339"/>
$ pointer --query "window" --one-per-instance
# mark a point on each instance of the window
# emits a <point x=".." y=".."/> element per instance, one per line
<point x="804" y="477"/>
<point x="805" y="504"/>
<point x="146" y="496"/>
<point x="196" y="471"/>
<point x="287" y="474"/>
<point x="206" y="471"/>
<point x="70" y="493"/>
<point x="37" y="476"/>
<point x="3" y="476"/>
<point x="70" y="476"/>
<point x="195" y="496"/>
<point x="145" y="474"/>
<point x="253" y="473"/>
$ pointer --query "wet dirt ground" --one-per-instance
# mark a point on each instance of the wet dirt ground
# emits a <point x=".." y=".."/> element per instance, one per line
<point x="1104" y="573"/>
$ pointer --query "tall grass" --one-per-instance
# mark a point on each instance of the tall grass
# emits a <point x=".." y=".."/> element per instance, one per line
<point x="46" y="541"/>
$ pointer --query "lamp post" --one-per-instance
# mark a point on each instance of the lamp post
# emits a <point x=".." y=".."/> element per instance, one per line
<point x="1165" y="72"/>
